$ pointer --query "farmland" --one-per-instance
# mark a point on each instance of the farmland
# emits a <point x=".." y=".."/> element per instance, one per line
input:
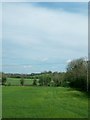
<point x="43" y="102"/>
<point x="16" y="81"/>
<point x="47" y="94"/>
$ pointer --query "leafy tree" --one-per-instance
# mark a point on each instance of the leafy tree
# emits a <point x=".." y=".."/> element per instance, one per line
<point x="44" y="80"/>
<point x="34" y="82"/>
<point x="4" y="79"/>
<point x="22" y="81"/>
<point x="41" y="81"/>
<point x="47" y="79"/>
<point x="56" y="80"/>
<point x="77" y="74"/>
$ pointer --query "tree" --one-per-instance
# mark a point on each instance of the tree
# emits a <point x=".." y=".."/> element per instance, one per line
<point x="22" y="81"/>
<point x="35" y="82"/>
<point x="41" y="81"/>
<point x="45" y="79"/>
<point x="77" y="74"/>
<point x="57" y="79"/>
<point x="4" y="79"/>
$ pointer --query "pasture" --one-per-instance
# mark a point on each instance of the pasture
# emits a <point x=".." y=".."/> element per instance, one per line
<point x="16" y="81"/>
<point x="43" y="102"/>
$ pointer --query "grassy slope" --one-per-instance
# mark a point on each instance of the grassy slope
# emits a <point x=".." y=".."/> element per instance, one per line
<point x="37" y="102"/>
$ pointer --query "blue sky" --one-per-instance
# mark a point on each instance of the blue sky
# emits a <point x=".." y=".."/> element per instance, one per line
<point x="67" y="6"/>
<point x="43" y="36"/>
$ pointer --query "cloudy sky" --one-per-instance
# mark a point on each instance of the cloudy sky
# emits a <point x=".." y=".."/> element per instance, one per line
<point x="43" y="36"/>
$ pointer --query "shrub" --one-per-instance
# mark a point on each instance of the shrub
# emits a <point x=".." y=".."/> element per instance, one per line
<point x="34" y="82"/>
<point x="22" y="81"/>
<point x="4" y="79"/>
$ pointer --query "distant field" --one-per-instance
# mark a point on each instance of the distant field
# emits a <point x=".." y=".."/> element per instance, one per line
<point x="43" y="102"/>
<point x="16" y="81"/>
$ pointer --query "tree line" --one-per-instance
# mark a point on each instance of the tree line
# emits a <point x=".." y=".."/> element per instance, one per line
<point x="76" y="76"/>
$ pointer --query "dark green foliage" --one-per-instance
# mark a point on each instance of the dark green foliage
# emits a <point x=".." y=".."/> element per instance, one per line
<point x="47" y="80"/>
<point x="41" y="81"/>
<point x="56" y="79"/>
<point x="35" y="82"/>
<point x="22" y="81"/>
<point x="44" y="80"/>
<point x="51" y="79"/>
<point x="4" y="79"/>
<point x="77" y="74"/>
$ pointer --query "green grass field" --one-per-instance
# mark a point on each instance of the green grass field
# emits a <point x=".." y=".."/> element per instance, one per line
<point x="43" y="102"/>
<point x="16" y="81"/>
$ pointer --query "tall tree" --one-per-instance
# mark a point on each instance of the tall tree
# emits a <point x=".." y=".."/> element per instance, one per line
<point x="77" y="73"/>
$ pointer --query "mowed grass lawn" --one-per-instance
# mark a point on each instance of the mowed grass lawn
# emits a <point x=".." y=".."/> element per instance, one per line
<point x="43" y="102"/>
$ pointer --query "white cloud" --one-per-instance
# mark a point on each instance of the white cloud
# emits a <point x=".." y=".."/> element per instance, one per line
<point x="38" y="32"/>
<point x="27" y="66"/>
<point x="68" y="61"/>
<point x="31" y="25"/>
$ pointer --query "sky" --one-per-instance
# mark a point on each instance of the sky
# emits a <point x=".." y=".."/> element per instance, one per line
<point x="45" y="0"/>
<point x="39" y="37"/>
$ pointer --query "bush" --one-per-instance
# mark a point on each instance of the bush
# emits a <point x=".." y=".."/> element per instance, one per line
<point x="4" y="79"/>
<point x="34" y="82"/>
<point x="22" y="81"/>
